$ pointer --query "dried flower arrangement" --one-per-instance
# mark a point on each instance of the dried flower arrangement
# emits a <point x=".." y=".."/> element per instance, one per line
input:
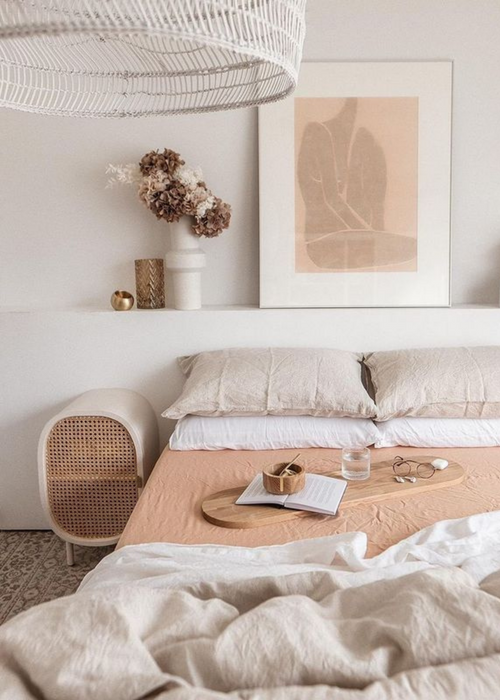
<point x="171" y="189"/>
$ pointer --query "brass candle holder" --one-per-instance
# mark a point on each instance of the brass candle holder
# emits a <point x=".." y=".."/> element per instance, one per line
<point x="121" y="300"/>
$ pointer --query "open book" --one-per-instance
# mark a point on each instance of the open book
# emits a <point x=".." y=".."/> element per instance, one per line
<point x="321" y="494"/>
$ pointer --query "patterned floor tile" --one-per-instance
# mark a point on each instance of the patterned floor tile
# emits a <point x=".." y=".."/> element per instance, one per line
<point x="33" y="569"/>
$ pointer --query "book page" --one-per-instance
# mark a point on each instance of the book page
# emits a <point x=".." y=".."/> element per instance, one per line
<point x="321" y="494"/>
<point x="255" y="493"/>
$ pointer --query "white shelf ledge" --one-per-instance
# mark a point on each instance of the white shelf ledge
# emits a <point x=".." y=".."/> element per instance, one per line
<point x="234" y="307"/>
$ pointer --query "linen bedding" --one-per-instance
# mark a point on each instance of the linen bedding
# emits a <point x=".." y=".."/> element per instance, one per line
<point x="272" y="381"/>
<point x="169" y="509"/>
<point x="311" y="620"/>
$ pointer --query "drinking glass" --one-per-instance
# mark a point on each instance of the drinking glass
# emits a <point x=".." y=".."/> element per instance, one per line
<point x="356" y="463"/>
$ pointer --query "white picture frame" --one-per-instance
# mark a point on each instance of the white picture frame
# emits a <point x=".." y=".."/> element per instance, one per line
<point x="330" y="269"/>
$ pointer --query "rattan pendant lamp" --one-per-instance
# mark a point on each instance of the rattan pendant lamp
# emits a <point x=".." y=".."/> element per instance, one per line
<point x="124" y="58"/>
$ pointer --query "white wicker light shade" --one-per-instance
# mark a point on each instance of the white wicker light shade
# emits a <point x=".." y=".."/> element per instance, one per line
<point x="121" y="58"/>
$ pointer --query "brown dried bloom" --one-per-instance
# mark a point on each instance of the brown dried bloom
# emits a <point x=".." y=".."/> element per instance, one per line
<point x="169" y="204"/>
<point x="171" y="189"/>
<point x="214" y="221"/>
<point x="168" y="162"/>
<point x="193" y="199"/>
<point x="156" y="181"/>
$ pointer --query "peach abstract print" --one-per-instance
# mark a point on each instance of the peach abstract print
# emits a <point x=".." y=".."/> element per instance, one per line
<point x="356" y="190"/>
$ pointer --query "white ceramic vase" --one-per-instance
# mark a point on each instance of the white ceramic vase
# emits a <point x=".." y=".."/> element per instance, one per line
<point x="185" y="261"/>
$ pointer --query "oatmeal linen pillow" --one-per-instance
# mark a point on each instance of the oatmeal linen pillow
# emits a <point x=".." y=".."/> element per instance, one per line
<point x="436" y="382"/>
<point x="276" y="381"/>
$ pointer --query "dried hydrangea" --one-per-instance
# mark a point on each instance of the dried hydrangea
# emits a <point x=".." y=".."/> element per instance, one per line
<point x="168" y="161"/>
<point x="214" y="221"/>
<point x="189" y="177"/>
<point x="168" y="204"/>
<point x="204" y="205"/>
<point x="156" y="181"/>
<point x="171" y="189"/>
<point x="195" y="198"/>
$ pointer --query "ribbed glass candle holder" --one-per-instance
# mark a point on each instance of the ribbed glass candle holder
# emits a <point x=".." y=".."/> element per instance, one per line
<point x="150" y="283"/>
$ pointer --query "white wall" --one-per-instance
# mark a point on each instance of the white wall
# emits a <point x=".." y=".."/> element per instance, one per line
<point x="66" y="242"/>
<point x="51" y="357"/>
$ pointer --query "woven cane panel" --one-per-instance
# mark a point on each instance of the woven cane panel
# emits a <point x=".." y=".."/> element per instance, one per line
<point x="91" y="473"/>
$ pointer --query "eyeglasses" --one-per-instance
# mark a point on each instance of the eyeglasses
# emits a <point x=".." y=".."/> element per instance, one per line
<point x="403" y="468"/>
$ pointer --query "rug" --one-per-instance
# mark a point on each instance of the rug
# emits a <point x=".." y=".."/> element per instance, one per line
<point x="33" y="569"/>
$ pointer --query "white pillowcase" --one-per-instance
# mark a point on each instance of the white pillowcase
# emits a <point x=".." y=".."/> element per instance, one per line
<point x="270" y="432"/>
<point x="439" y="432"/>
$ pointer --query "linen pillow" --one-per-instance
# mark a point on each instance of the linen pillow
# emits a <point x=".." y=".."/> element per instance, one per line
<point x="276" y="381"/>
<point x="439" y="432"/>
<point x="271" y="432"/>
<point x="436" y="382"/>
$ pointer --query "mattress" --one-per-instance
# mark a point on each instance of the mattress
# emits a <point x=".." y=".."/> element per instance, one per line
<point x="169" y="509"/>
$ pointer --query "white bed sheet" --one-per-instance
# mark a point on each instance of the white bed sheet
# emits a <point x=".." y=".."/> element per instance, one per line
<point x="472" y="543"/>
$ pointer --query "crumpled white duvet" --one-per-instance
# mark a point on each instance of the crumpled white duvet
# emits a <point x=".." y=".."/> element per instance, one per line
<point x="307" y="620"/>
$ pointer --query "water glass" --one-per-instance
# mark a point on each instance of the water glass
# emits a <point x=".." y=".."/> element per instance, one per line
<point x="356" y="463"/>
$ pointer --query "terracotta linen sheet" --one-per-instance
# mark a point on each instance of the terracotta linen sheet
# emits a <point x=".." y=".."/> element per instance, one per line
<point x="169" y="507"/>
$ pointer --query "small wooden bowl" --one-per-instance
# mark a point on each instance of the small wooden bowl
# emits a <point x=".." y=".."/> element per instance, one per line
<point x="281" y="485"/>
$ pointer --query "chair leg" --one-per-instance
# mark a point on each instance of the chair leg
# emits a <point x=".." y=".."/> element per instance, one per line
<point x="70" y="554"/>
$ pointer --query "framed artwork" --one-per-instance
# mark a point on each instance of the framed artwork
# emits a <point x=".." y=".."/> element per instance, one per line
<point x="355" y="187"/>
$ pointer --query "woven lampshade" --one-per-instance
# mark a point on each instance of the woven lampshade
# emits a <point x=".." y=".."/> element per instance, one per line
<point x="119" y="58"/>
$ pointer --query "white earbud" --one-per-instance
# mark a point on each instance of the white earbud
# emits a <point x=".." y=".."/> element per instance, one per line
<point x="439" y="464"/>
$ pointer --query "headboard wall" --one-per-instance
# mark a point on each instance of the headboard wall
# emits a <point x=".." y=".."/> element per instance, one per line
<point x="48" y="358"/>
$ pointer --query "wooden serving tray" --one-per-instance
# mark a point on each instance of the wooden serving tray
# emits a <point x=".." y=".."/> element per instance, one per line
<point x="221" y="509"/>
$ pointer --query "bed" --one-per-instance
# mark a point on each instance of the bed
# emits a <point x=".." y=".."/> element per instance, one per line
<point x="169" y="508"/>
<point x="309" y="620"/>
<point x="364" y="606"/>
<point x="384" y="601"/>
